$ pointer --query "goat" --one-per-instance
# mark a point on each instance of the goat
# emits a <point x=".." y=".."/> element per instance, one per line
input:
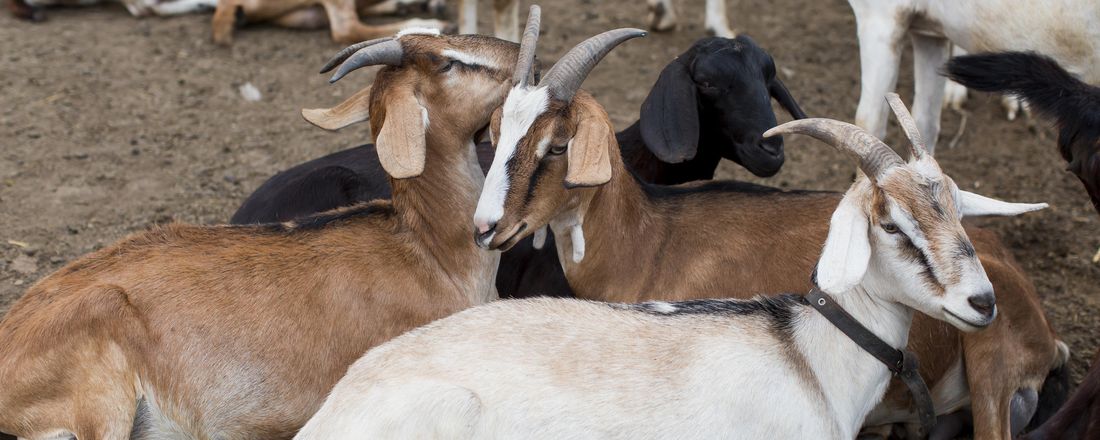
<point x="703" y="369"/>
<point x="711" y="102"/>
<point x="240" y="331"/>
<point x="1054" y="92"/>
<point x="1067" y="30"/>
<point x="34" y="10"/>
<point x="1079" y="418"/>
<point x="662" y="17"/>
<point x="643" y="242"/>
<point x="340" y="16"/>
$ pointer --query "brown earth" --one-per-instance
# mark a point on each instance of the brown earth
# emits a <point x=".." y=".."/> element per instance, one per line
<point x="111" y="123"/>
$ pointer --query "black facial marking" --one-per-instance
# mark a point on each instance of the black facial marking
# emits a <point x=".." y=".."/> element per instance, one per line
<point x="916" y="254"/>
<point x="966" y="250"/>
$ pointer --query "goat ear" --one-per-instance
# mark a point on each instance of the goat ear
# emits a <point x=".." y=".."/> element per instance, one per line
<point x="974" y="205"/>
<point x="847" y="249"/>
<point x="781" y="95"/>
<point x="670" y="115"/>
<point x="401" y="140"/>
<point x="353" y="110"/>
<point x="589" y="162"/>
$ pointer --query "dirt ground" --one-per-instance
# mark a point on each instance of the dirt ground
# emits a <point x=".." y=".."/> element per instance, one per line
<point x="110" y="124"/>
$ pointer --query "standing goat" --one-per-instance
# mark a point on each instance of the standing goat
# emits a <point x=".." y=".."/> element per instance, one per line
<point x="711" y="102"/>
<point x="240" y="331"/>
<point x="1072" y="104"/>
<point x="621" y="240"/>
<point x="702" y="369"/>
<point x="662" y="17"/>
<point x="1067" y="30"/>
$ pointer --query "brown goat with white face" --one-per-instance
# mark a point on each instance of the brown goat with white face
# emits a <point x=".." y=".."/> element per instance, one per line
<point x="619" y="240"/>
<point x="239" y="332"/>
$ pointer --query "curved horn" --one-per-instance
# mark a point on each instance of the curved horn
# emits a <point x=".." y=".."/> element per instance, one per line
<point x="527" y="45"/>
<point x="565" y="78"/>
<point x="387" y="52"/>
<point x="874" y="156"/>
<point x="917" y="148"/>
<point x="347" y="51"/>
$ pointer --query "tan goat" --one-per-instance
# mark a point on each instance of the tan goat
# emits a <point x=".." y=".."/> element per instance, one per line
<point x="239" y="332"/>
<point x="621" y="240"/>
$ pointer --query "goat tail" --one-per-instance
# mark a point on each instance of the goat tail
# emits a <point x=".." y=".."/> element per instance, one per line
<point x="1056" y="388"/>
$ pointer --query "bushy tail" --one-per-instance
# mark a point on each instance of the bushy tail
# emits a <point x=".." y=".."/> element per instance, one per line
<point x="1048" y="88"/>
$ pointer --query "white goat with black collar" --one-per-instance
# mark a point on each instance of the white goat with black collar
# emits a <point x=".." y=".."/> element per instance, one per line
<point x="703" y="369"/>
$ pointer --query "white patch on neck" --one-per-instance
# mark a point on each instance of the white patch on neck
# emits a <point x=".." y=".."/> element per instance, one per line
<point x="466" y="58"/>
<point x="521" y="108"/>
<point x="417" y="31"/>
<point x="576" y="234"/>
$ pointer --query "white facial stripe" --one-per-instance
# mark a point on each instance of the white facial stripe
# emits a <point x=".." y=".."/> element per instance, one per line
<point x="469" y="59"/>
<point x="521" y="108"/>
<point x="417" y="31"/>
<point x="908" y="225"/>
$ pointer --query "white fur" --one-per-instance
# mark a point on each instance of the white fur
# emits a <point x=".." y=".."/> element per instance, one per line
<point x="521" y="108"/>
<point x="971" y="205"/>
<point x="416" y="30"/>
<point x="576" y="234"/>
<point x="847" y="250"/>
<point x="467" y="58"/>
<point x="977" y="26"/>
<point x="539" y="238"/>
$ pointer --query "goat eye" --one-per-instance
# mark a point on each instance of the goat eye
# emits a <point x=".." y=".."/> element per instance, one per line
<point x="557" y="150"/>
<point x="890" y="228"/>
<point x="450" y="65"/>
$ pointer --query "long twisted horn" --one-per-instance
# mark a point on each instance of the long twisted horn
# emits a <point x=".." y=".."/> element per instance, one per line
<point x="526" y="60"/>
<point x="347" y="51"/>
<point x="388" y="52"/>
<point x="565" y="78"/>
<point x="917" y="147"/>
<point x="874" y="156"/>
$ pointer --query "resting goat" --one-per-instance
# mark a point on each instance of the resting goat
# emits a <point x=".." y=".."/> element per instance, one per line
<point x="1067" y="30"/>
<point x="240" y="331"/>
<point x="1074" y="105"/>
<point x="711" y="102"/>
<point x="621" y="240"/>
<point x="701" y="369"/>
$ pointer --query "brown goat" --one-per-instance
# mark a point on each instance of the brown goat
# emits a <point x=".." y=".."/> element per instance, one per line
<point x="240" y="332"/>
<point x="621" y="240"/>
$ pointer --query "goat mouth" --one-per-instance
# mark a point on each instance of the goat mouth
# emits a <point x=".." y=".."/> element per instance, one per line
<point x="966" y="323"/>
<point x="509" y="240"/>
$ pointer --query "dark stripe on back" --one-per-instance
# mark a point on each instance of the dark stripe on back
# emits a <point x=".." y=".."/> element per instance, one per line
<point x="324" y="219"/>
<point x="778" y="309"/>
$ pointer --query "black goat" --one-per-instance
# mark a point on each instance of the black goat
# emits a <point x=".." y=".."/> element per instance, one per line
<point x="711" y="102"/>
<point x="1048" y="88"/>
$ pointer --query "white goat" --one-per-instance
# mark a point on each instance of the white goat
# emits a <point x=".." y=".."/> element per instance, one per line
<point x="1066" y="30"/>
<point x="762" y="368"/>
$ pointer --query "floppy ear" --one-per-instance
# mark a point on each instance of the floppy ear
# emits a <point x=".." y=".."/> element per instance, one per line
<point x="779" y="91"/>
<point x="670" y="115"/>
<point x="353" y="110"/>
<point x="401" y="140"/>
<point x="974" y="205"/>
<point x="589" y="163"/>
<point x="847" y="249"/>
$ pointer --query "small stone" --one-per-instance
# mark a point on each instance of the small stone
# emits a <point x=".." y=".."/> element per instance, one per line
<point x="24" y="265"/>
<point x="250" y="93"/>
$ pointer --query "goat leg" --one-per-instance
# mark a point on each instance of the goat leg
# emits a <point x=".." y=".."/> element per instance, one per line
<point x="20" y="9"/>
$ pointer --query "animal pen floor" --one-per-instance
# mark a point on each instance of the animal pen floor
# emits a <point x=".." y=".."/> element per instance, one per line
<point x="110" y="124"/>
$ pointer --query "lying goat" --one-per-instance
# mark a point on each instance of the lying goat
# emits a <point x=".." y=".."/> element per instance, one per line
<point x="711" y="102"/>
<point x="1079" y="418"/>
<point x="1067" y="30"/>
<point x="240" y="331"/>
<point x="34" y="10"/>
<point x="701" y="369"/>
<point x="1074" y="105"/>
<point x="621" y="240"/>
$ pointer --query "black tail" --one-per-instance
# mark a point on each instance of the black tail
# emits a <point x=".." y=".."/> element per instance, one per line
<point x="1048" y="88"/>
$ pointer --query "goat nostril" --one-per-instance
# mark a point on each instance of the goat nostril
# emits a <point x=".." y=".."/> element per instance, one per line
<point x="483" y="231"/>
<point x="983" y="303"/>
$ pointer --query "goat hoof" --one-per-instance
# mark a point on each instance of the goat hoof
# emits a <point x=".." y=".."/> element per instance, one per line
<point x="660" y="19"/>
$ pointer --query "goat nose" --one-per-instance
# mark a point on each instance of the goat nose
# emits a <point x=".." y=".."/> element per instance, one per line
<point x="984" y="303"/>
<point x="483" y="232"/>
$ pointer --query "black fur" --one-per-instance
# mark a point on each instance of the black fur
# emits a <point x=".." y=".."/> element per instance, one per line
<point x="728" y="125"/>
<point x="1054" y="393"/>
<point x="7" y="437"/>
<point x="142" y="428"/>
<point x="1048" y="88"/>
<point x="779" y="310"/>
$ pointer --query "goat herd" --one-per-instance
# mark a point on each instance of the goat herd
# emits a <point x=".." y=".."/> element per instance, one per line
<point x="690" y="321"/>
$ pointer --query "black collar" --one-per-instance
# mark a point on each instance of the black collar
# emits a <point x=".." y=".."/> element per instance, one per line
<point x="903" y="363"/>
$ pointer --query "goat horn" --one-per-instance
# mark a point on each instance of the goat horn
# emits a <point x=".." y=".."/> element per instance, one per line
<point x="387" y="52"/>
<point x="917" y="148"/>
<point x="874" y="156"/>
<point x="565" y="78"/>
<point x="347" y="51"/>
<point x="526" y="59"/>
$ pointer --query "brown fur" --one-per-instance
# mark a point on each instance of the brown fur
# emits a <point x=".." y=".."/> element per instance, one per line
<point x="642" y="245"/>
<point x="240" y="331"/>
<point x="341" y="15"/>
